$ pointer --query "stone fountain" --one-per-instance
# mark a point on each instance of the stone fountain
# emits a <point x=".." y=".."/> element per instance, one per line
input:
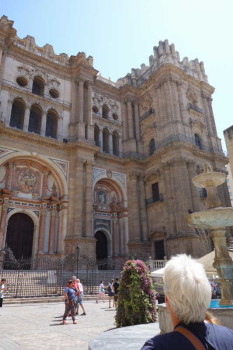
<point x="215" y="219"/>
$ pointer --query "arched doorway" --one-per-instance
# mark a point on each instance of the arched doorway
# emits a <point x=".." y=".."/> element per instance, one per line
<point x="101" y="249"/>
<point x="19" y="235"/>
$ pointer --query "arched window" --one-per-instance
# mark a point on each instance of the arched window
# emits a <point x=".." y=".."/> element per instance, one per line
<point x="115" y="143"/>
<point x="96" y="135"/>
<point x="152" y="146"/>
<point x="35" y="119"/>
<point x="106" y="140"/>
<point x="17" y="114"/>
<point x="51" y="124"/>
<point x="38" y="86"/>
<point x="197" y="141"/>
<point x="105" y="111"/>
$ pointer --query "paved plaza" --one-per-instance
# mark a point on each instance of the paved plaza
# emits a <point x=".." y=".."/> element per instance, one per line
<point x="38" y="326"/>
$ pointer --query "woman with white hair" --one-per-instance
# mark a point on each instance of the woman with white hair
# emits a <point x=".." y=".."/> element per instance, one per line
<point x="187" y="295"/>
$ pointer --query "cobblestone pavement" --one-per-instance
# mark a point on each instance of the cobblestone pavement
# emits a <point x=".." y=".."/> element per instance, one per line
<point x="38" y="326"/>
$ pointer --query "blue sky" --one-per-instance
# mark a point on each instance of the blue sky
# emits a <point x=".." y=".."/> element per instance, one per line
<point x="120" y="35"/>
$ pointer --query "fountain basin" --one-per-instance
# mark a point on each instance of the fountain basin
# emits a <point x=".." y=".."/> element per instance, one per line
<point x="209" y="179"/>
<point x="215" y="218"/>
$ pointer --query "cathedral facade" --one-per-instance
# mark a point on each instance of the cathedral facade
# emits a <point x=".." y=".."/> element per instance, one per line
<point x="104" y="166"/>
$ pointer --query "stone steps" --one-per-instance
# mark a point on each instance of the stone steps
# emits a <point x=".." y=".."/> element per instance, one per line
<point x="43" y="299"/>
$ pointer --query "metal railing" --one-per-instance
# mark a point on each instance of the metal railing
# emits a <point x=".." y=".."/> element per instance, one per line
<point x="45" y="276"/>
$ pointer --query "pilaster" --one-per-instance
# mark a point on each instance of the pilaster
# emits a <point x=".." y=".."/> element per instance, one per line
<point x="41" y="231"/>
<point x="52" y="230"/>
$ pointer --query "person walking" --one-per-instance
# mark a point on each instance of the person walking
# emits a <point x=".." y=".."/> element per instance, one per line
<point x="77" y="292"/>
<point x="69" y="295"/>
<point x="80" y="297"/>
<point x="2" y="290"/>
<point x="111" y="293"/>
<point x="187" y="296"/>
<point x="101" y="292"/>
<point x="116" y="285"/>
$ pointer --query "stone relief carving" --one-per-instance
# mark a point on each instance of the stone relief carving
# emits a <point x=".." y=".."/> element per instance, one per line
<point x="101" y="197"/>
<point x="99" y="100"/>
<point x="99" y="173"/>
<point x="146" y="102"/>
<point x="30" y="73"/>
<point x="27" y="180"/>
<point x="192" y="97"/>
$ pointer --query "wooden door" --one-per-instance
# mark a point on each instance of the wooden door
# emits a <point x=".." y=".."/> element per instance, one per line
<point x="20" y="235"/>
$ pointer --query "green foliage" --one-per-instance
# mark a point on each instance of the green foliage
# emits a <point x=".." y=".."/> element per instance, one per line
<point x="136" y="304"/>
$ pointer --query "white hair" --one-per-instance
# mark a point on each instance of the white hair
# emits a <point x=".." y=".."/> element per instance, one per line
<point x="187" y="288"/>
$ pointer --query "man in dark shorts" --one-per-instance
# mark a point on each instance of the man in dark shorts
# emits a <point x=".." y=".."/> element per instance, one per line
<point x="116" y="285"/>
<point x="110" y="293"/>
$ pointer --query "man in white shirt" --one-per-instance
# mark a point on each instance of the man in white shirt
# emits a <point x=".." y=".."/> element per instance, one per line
<point x="80" y="297"/>
<point x="2" y="289"/>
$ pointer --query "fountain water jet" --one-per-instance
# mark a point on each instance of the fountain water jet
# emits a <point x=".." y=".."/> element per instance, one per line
<point x="215" y="219"/>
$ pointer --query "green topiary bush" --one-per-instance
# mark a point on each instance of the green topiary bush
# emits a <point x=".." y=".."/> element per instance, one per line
<point x="136" y="304"/>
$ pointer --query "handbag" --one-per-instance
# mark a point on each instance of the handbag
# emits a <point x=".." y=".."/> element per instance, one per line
<point x="191" y="337"/>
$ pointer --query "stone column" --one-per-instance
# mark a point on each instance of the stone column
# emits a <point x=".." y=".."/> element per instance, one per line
<point x="80" y="99"/>
<point x="52" y="231"/>
<point x="59" y="129"/>
<point x="26" y="118"/>
<point x="3" y="221"/>
<point x="182" y="204"/>
<point x="143" y="214"/>
<point x="160" y="111"/>
<point x="120" y="146"/>
<point x="125" y="233"/>
<point x="206" y="112"/>
<point x="224" y="265"/>
<point x="89" y="103"/>
<point x="193" y="190"/>
<point x="135" y="228"/>
<point x="209" y="100"/>
<point x="130" y="118"/>
<point x="80" y="127"/>
<point x="181" y="101"/>
<point x="44" y="183"/>
<point x="73" y="117"/>
<point x="169" y="201"/>
<point x="77" y="195"/>
<point x="137" y="121"/>
<point x="170" y="105"/>
<point x="101" y="138"/>
<point x="41" y="231"/>
<point x="124" y="121"/>
<point x="175" y="101"/>
<point x="43" y="123"/>
<point x="110" y="143"/>
<point x="2" y="64"/>
<point x="88" y="203"/>
<point x="8" y="114"/>
<point x="114" y="238"/>
<point x="62" y="228"/>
